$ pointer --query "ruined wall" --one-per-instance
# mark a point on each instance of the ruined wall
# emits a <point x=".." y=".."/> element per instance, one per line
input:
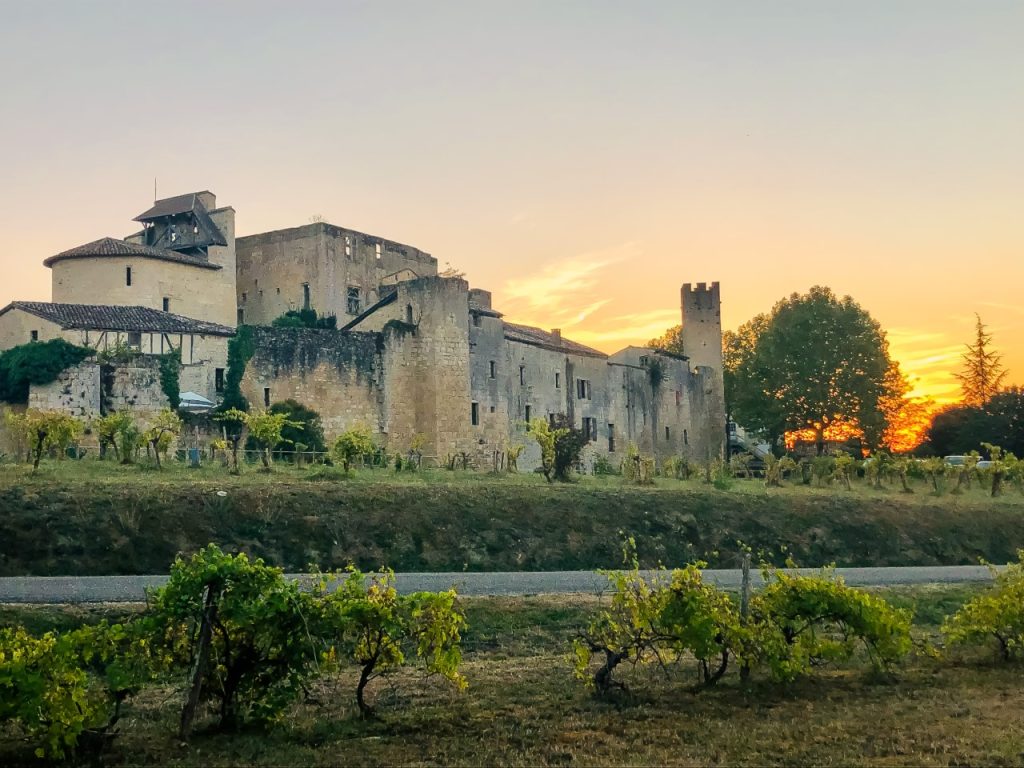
<point x="338" y="374"/>
<point x="274" y="267"/>
<point x="89" y="389"/>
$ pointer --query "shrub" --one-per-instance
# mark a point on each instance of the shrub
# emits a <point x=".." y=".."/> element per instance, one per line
<point x="116" y="431"/>
<point x="162" y="432"/>
<point x="351" y="445"/>
<point x="38" y="362"/>
<point x="304" y="318"/>
<point x="368" y="623"/>
<point x="799" y="622"/>
<point x="997" y="615"/>
<point x="248" y="634"/>
<point x="656" y="621"/>
<point x="637" y="468"/>
<point x="602" y="466"/>
<point x="45" y="430"/>
<point x="266" y="428"/>
<point x="560" y="446"/>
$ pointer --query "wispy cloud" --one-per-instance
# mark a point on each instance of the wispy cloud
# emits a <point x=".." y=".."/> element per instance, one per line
<point x="928" y="358"/>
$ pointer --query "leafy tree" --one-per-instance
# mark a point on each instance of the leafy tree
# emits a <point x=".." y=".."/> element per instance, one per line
<point x="247" y="635"/>
<point x="670" y="341"/>
<point x="352" y="444"/>
<point x="378" y="629"/>
<point x="308" y="428"/>
<point x="560" y="446"/>
<point x="959" y="429"/>
<point x="45" y="430"/>
<point x="983" y="371"/>
<point x="38" y="362"/>
<point x="304" y="318"/>
<point x="165" y="427"/>
<point x="816" y="361"/>
<point x="266" y="429"/>
<point x="111" y="431"/>
<point x="235" y="423"/>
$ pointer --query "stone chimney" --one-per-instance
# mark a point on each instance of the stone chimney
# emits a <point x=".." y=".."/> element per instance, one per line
<point x="556" y="334"/>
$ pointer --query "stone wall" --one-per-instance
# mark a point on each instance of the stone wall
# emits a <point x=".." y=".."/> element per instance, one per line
<point x="338" y="374"/>
<point x="89" y="389"/>
<point x="275" y="269"/>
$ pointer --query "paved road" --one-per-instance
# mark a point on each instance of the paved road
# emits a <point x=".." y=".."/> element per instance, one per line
<point x="126" y="589"/>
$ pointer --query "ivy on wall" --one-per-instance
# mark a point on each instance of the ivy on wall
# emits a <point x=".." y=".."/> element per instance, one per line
<point x="38" y="362"/>
<point x="170" y="370"/>
<point x="241" y="348"/>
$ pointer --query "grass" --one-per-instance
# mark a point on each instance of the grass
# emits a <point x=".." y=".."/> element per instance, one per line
<point x="93" y="518"/>
<point x="524" y="708"/>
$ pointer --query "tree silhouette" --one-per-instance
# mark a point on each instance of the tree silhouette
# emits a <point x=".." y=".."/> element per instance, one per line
<point x="983" y="372"/>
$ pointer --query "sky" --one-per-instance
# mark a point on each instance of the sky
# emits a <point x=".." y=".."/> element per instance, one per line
<point x="581" y="160"/>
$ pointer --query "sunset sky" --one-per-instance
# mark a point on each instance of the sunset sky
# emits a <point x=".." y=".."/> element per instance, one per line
<point x="580" y="159"/>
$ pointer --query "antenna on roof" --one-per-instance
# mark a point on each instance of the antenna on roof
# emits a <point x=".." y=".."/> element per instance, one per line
<point x="154" y="189"/>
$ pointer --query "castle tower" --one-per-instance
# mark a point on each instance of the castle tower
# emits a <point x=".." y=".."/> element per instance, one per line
<point x="702" y="325"/>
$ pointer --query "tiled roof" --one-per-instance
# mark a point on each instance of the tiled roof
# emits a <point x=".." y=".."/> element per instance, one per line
<point x="105" y="317"/>
<point x="111" y="246"/>
<point x="537" y="337"/>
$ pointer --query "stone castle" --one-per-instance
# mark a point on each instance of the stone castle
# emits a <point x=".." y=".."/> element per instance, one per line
<point x="416" y="355"/>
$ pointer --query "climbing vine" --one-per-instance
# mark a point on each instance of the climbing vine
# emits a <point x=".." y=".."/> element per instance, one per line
<point x="241" y="348"/>
<point x="170" y="369"/>
<point x="38" y="362"/>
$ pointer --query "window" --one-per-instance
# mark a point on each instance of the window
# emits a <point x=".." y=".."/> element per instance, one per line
<point x="245" y="297"/>
<point x="493" y="368"/>
<point x="353" y="303"/>
<point x="377" y="251"/>
<point x="611" y="438"/>
<point x="348" y="246"/>
<point x="679" y="397"/>
<point x="686" y="438"/>
<point x="474" y="414"/>
<point x="522" y="374"/>
<point x="305" y="295"/>
<point x="34" y="335"/>
<point x="278" y="291"/>
<point x="241" y="316"/>
<point x="643" y="359"/>
<point x="551" y="420"/>
<point x="218" y="379"/>
<point x="476" y="319"/>
<point x="668" y="434"/>
<point x="127" y="275"/>
<point x="492" y="409"/>
<point x="558" y="380"/>
<point x="134" y="338"/>
<point x="589" y="429"/>
<point x="526" y="414"/>
<point x="408" y="313"/>
<point x="582" y="389"/>
<point x="167" y="303"/>
<point x="266" y="397"/>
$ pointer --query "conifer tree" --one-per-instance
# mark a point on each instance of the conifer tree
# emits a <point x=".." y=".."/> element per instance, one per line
<point x="983" y="371"/>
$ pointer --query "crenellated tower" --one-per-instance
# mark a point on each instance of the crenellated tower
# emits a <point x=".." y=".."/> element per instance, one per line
<point x="702" y="325"/>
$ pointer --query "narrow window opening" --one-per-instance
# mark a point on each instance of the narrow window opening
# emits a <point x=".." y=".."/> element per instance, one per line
<point x="241" y="316"/>
<point x="305" y="295"/>
<point x="558" y="380"/>
<point x="377" y="251"/>
<point x="493" y="369"/>
<point x="611" y="438"/>
<point x="353" y="301"/>
<point x="408" y="314"/>
<point x="686" y="438"/>
<point x="522" y="374"/>
<point x="679" y="398"/>
<point x="34" y="335"/>
<point x="668" y="434"/>
<point x="128" y="276"/>
<point x="526" y="413"/>
<point x="266" y="397"/>
<point x="218" y="379"/>
<point x="348" y="246"/>
<point x="492" y="409"/>
<point x="474" y="414"/>
<point x="245" y="297"/>
<point x="167" y="304"/>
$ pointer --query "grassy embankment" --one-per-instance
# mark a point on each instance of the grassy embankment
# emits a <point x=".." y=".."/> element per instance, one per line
<point x="92" y="517"/>
<point x="524" y="708"/>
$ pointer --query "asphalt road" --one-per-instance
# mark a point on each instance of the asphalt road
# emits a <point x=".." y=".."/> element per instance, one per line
<point x="128" y="589"/>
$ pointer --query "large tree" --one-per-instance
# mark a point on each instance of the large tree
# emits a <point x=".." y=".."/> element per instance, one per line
<point x="816" y="361"/>
<point x="961" y="428"/>
<point x="670" y="341"/>
<point x="983" y="371"/>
